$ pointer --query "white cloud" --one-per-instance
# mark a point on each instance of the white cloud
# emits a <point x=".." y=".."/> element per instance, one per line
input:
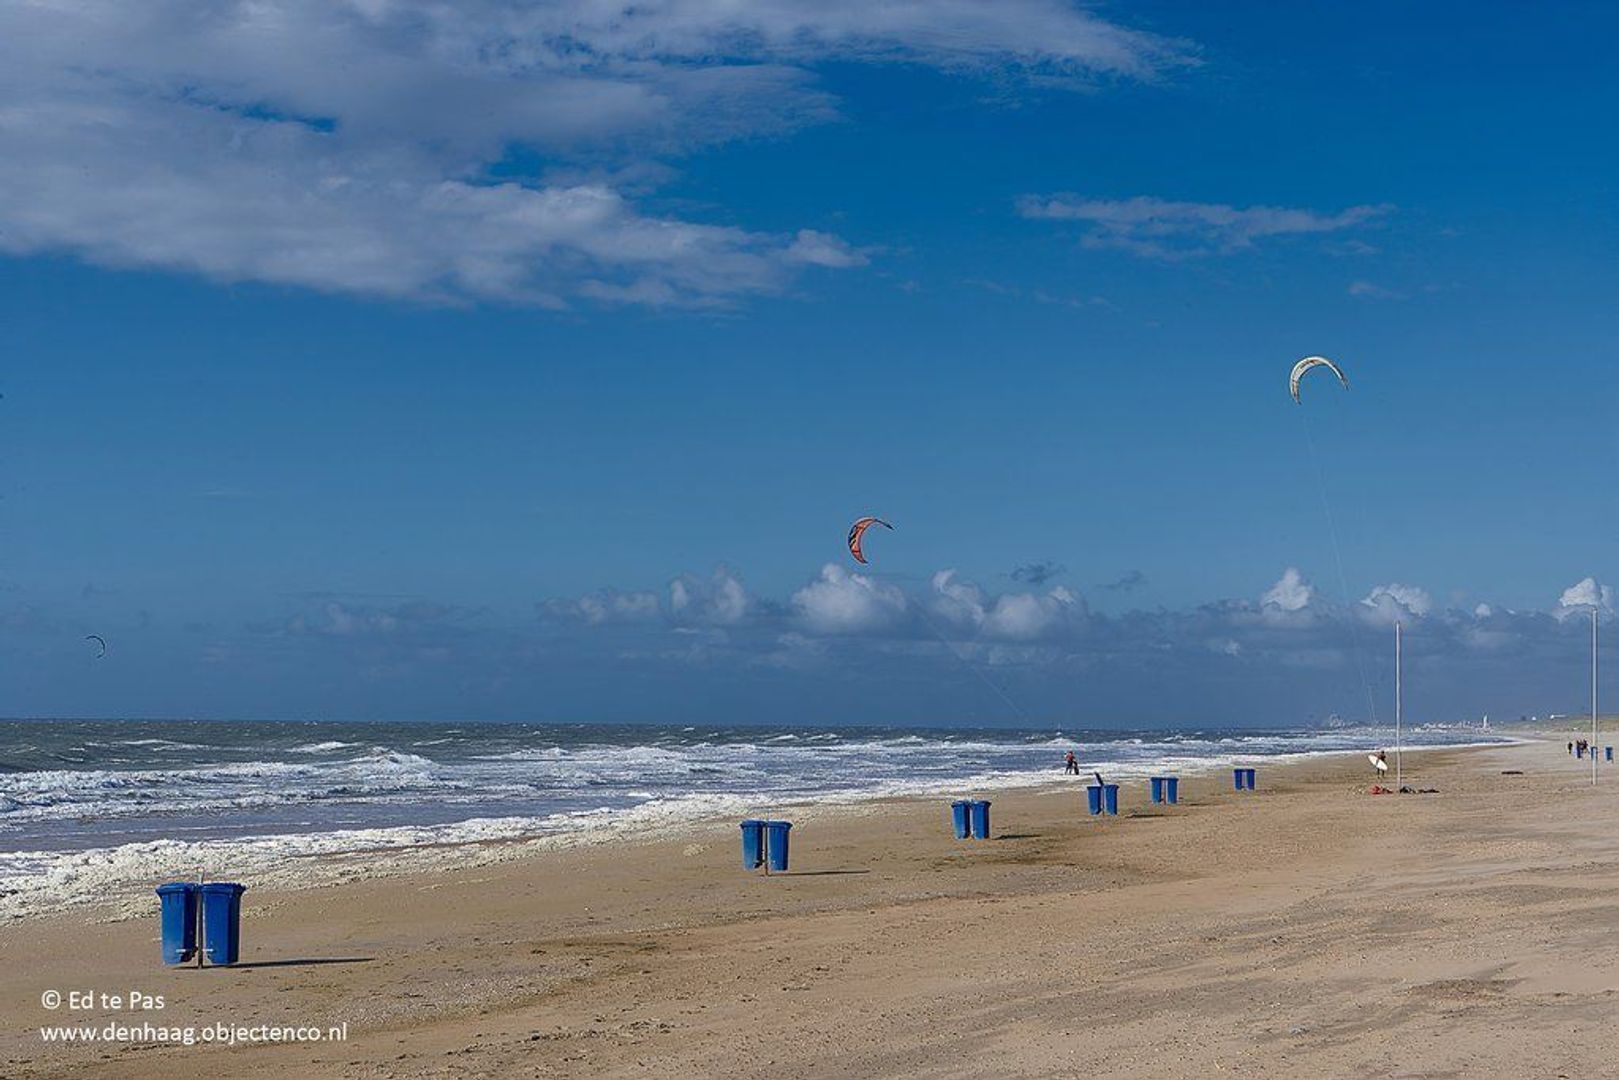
<point x="1024" y="616"/>
<point x="1584" y="596"/>
<point x="1392" y="602"/>
<point x="613" y="606"/>
<point x="843" y="603"/>
<point x="1160" y="228"/>
<point x="1367" y="290"/>
<point x="722" y="600"/>
<point x="1290" y="593"/>
<point x="1010" y="616"/>
<point x="377" y="146"/>
<point x="959" y="601"/>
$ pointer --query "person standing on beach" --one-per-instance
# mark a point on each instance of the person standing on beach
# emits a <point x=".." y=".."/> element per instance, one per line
<point x="1070" y="765"/>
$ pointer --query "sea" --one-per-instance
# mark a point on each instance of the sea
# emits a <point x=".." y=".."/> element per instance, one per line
<point x="96" y="810"/>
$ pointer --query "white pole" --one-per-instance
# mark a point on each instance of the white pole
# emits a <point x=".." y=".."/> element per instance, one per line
<point x="1399" y="714"/>
<point x="1593" y="697"/>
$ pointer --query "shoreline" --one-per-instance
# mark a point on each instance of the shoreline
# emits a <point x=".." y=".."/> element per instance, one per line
<point x="83" y="879"/>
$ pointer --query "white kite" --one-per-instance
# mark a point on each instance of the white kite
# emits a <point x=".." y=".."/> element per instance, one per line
<point x="1305" y="365"/>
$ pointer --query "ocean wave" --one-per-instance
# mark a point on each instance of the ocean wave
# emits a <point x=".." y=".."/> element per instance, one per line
<point x="289" y="783"/>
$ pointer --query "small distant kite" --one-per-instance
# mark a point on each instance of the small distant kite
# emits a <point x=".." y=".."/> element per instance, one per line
<point x="858" y="530"/>
<point x="1305" y="365"/>
<point x="100" y="643"/>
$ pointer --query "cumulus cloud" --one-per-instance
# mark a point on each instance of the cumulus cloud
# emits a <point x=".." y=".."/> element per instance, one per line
<point x="1389" y="603"/>
<point x="720" y="600"/>
<point x="1010" y="616"/>
<point x="1290" y="593"/>
<point x="1026" y="617"/>
<point x="605" y="606"/>
<point x="1161" y="228"/>
<point x="1583" y="597"/>
<point x="845" y="638"/>
<point x="379" y="148"/>
<point x="863" y="624"/>
<point x="839" y="602"/>
<point x="960" y="602"/>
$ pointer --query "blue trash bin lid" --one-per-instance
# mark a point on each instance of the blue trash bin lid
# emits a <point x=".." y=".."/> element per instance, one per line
<point x="172" y="887"/>
<point x="752" y="823"/>
<point x="783" y="825"/>
<point x="228" y="888"/>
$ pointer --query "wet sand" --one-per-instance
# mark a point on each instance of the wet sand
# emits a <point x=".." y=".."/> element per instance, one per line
<point x="1306" y="929"/>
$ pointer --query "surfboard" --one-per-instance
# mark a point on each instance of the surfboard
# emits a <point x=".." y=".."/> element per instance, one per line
<point x="1382" y="766"/>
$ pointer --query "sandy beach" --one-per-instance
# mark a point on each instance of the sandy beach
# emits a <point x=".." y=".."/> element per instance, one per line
<point x="1305" y="929"/>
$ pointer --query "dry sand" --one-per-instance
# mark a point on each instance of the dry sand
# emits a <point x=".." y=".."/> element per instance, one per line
<point x="1308" y="929"/>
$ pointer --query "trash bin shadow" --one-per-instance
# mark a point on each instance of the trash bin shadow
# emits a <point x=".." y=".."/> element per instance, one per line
<point x="1019" y="836"/>
<point x="306" y="961"/>
<point x="815" y="873"/>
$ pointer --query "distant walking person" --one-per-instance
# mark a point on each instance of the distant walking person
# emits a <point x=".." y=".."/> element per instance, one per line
<point x="1070" y="765"/>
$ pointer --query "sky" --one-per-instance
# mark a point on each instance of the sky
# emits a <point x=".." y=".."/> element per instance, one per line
<point x="498" y="361"/>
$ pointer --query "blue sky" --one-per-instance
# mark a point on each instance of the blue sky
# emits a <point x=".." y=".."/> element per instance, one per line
<point x="526" y="362"/>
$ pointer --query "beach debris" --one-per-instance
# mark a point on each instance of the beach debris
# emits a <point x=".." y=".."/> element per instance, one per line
<point x="858" y="530"/>
<point x="100" y="643"/>
<point x="1307" y="364"/>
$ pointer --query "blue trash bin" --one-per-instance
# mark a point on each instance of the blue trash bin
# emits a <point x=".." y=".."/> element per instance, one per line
<point x="753" y="844"/>
<point x="179" y="917"/>
<point x="1110" y="795"/>
<point x="1093" y="795"/>
<point x="1172" y="789"/>
<point x="1157" y="785"/>
<point x="980" y="816"/>
<point x="776" y="844"/>
<point x="222" y="921"/>
<point x="1249" y="778"/>
<point x="1607" y="753"/>
<point x="1237" y="778"/>
<point x="959" y="817"/>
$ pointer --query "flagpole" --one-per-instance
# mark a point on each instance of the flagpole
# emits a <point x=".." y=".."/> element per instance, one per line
<point x="1399" y="711"/>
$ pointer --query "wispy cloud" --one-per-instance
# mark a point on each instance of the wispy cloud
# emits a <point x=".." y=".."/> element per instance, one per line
<point x="1038" y="573"/>
<point x="372" y="148"/>
<point x="1164" y="229"/>
<point x="1130" y="582"/>
<point x="1367" y="290"/>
